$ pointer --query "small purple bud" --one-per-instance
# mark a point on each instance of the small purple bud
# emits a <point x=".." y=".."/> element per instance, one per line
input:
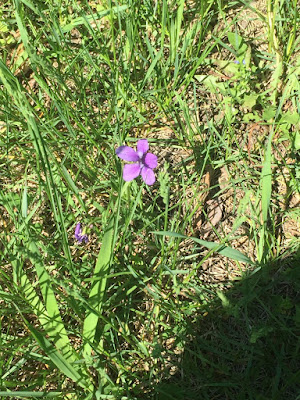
<point x="78" y="234"/>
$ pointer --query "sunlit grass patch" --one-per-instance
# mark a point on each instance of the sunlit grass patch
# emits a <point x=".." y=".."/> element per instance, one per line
<point x="114" y="289"/>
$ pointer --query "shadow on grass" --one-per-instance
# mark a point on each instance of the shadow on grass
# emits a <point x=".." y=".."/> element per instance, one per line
<point x="247" y="346"/>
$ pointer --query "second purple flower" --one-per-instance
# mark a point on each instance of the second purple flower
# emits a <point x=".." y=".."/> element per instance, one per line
<point x="144" y="162"/>
<point x="79" y="235"/>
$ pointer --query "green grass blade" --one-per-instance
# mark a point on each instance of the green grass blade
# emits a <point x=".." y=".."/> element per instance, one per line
<point x="24" y="207"/>
<point x="49" y="318"/>
<point x="179" y="20"/>
<point x="266" y="192"/>
<point x="152" y="66"/>
<point x="94" y="17"/>
<point x="97" y="292"/>
<point x="55" y="327"/>
<point x="73" y="187"/>
<point x="36" y="395"/>
<point x="56" y="357"/>
<point x="50" y="325"/>
<point x="31" y="6"/>
<point x="13" y="87"/>
<point x="266" y="182"/>
<point x="219" y="248"/>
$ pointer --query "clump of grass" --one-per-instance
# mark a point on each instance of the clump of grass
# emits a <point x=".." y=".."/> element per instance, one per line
<point x="153" y="293"/>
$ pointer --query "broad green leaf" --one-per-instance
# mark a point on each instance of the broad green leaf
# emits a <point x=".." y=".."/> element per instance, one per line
<point x="249" y="100"/>
<point x="237" y="42"/>
<point x="269" y="113"/>
<point x="212" y="84"/>
<point x="251" y="117"/>
<point x="290" y="117"/>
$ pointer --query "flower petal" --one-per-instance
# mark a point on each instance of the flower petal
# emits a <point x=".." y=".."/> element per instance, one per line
<point x="127" y="153"/>
<point x="148" y="176"/>
<point x="131" y="171"/>
<point x="150" y="160"/>
<point x="77" y="230"/>
<point x="85" y="238"/>
<point x="142" y="147"/>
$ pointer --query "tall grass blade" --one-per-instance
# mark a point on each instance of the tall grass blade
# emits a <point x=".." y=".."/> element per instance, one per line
<point x="93" y="17"/>
<point x="24" y="202"/>
<point x="218" y="247"/>
<point x="49" y="318"/>
<point x="98" y="289"/>
<point x="55" y="327"/>
<point x="36" y="395"/>
<point x="13" y="88"/>
<point x="266" y="191"/>
<point x="266" y="182"/>
<point x="56" y="357"/>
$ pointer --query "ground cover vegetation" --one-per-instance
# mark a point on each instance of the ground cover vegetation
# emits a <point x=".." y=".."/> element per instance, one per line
<point x="177" y="276"/>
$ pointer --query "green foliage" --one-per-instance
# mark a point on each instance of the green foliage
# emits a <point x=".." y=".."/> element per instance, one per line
<point x="124" y="316"/>
<point x="220" y="248"/>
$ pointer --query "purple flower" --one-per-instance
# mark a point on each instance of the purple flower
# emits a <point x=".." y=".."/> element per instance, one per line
<point x="78" y="234"/>
<point x="144" y="162"/>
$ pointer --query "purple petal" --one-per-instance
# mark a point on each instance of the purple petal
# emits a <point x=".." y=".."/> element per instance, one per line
<point x="85" y="238"/>
<point x="131" y="171"/>
<point x="148" y="176"/>
<point x="78" y="234"/>
<point x="150" y="160"/>
<point x="127" y="153"/>
<point x="77" y="229"/>
<point x="142" y="147"/>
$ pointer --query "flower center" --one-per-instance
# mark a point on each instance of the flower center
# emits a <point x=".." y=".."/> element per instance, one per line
<point x="142" y="160"/>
